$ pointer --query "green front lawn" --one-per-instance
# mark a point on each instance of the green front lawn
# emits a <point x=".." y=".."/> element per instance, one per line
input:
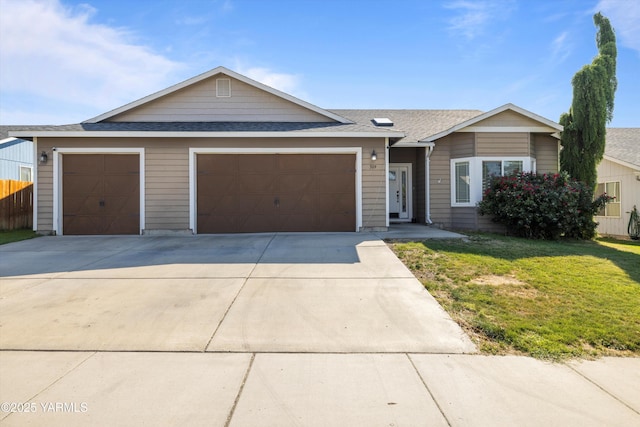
<point x="551" y="300"/>
<point x="16" y="235"/>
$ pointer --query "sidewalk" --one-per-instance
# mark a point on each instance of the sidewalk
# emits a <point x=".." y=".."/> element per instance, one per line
<point x="289" y="389"/>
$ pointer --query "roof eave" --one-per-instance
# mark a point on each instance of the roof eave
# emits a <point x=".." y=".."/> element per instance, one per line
<point x="211" y="134"/>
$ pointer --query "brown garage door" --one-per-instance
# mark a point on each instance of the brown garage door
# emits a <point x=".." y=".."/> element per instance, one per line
<point x="243" y="193"/>
<point x="101" y="193"/>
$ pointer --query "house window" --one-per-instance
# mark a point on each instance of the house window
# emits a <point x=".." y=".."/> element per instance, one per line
<point x="462" y="182"/>
<point x="613" y="208"/>
<point x="223" y="88"/>
<point x="491" y="168"/>
<point x="25" y="173"/>
<point x="470" y="176"/>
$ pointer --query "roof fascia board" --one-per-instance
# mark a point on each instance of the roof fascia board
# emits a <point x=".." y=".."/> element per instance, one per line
<point x="498" y="129"/>
<point x="152" y="134"/>
<point x="493" y="112"/>
<point x="206" y="75"/>
<point x="622" y="162"/>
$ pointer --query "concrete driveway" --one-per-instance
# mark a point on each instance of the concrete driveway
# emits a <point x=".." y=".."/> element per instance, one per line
<point x="340" y="293"/>
<point x="263" y="330"/>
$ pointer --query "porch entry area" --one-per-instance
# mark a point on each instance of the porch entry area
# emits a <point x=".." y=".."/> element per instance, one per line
<point x="400" y="192"/>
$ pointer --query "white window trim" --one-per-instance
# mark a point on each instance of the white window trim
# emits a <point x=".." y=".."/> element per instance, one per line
<point x="57" y="180"/>
<point x="475" y="172"/>
<point x="618" y="199"/>
<point x="193" y="179"/>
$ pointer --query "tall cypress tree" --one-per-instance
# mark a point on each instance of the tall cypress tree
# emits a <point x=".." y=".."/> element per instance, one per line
<point x="594" y="88"/>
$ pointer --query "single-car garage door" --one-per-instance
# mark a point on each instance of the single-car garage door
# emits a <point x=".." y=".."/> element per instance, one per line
<point x="243" y="193"/>
<point x="101" y="193"/>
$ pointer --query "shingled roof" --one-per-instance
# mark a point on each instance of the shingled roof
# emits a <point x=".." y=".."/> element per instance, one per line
<point x="623" y="144"/>
<point x="416" y="124"/>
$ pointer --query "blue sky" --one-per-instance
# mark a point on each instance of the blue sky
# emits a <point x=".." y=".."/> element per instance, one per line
<point x="64" y="61"/>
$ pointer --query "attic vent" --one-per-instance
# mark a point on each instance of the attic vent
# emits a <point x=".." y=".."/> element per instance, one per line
<point x="382" y="121"/>
<point x="223" y="88"/>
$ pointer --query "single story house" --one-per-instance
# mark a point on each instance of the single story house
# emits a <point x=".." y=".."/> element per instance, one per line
<point x="16" y="156"/>
<point x="619" y="176"/>
<point x="221" y="153"/>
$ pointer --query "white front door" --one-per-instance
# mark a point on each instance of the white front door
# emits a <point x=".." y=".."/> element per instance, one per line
<point x="400" y="191"/>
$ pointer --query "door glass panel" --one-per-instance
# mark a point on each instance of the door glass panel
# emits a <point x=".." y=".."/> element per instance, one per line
<point x="404" y="191"/>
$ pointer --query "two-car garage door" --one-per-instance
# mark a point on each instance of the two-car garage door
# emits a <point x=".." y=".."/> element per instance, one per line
<point x="239" y="193"/>
<point x="236" y="193"/>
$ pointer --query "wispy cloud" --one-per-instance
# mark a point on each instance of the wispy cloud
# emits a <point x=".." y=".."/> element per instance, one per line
<point x="56" y="52"/>
<point x="288" y="83"/>
<point x="473" y="17"/>
<point x="561" y="47"/>
<point x="625" y="19"/>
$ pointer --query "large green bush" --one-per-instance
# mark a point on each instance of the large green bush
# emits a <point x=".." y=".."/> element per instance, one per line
<point x="542" y="206"/>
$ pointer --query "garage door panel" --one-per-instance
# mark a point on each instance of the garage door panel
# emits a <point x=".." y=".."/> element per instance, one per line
<point x="256" y="183"/>
<point x="120" y="205"/>
<point x="84" y="164"/>
<point x="276" y="192"/>
<point x="82" y="184"/>
<point x="296" y="183"/>
<point x="120" y="224"/>
<point x="217" y="165"/>
<point x="101" y="194"/>
<point x="215" y="185"/>
<point x="119" y="184"/>
<point x="82" y="205"/>
<point x="83" y="224"/>
<point x="259" y="164"/>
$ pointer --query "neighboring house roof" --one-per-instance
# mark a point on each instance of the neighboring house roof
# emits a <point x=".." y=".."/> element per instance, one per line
<point x="211" y="73"/>
<point x="415" y="124"/>
<point x="623" y="146"/>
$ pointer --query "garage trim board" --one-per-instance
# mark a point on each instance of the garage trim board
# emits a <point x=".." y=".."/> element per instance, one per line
<point x="357" y="151"/>
<point x="57" y="180"/>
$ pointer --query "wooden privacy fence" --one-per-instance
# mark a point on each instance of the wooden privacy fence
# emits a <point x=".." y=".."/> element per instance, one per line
<point x="16" y="204"/>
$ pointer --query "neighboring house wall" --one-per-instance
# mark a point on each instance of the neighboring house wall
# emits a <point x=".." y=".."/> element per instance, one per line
<point x="610" y="171"/>
<point x="167" y="174"/>
<point x="16" y="160"/>
<point x="198" y="102"/>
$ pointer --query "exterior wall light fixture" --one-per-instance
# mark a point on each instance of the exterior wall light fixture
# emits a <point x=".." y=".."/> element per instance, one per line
<point x="374" y="156"/>
<point x="43" y="158"/>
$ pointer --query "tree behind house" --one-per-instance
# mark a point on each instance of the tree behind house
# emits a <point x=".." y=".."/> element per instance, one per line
<point x="594" y="87"/>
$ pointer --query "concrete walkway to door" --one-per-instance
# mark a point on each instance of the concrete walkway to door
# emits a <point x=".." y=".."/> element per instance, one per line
<point x="262" y="330"/>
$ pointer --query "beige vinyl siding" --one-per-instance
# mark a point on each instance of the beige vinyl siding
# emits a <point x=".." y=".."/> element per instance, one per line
<point x="440" y="185"/>
<point x="167" y="186"/>
<point x="508" y="118"/>
<point x="547" y="153"/>
<point x="464" y="218"/>
<point x="45" y="191"/>
<point x="609" y="171"/>
<point x="463" y="145"/>
<point x="198" y="103"/>
<point x="507" y="144"/>
<point x="167" y="174"/>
